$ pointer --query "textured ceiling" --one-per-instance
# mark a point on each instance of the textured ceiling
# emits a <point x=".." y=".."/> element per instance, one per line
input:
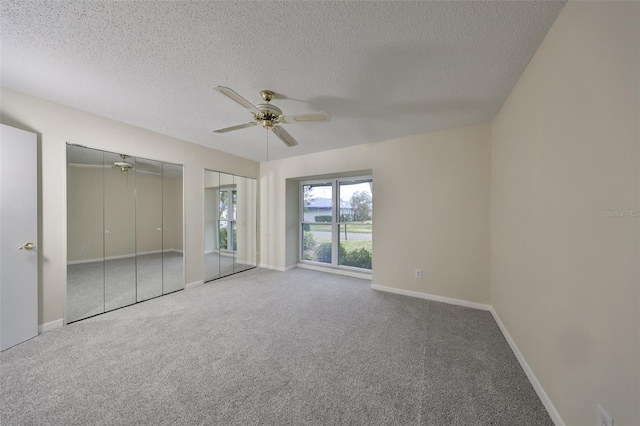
<point x="381" y="69"/>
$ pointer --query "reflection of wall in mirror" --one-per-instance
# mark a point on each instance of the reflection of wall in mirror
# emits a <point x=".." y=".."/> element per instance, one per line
<point x="85" y="213"/>
<point x="209" y="220"/>
<point x="246" y="220"/>
<point x="172" y="214"/>
<point x="211" y="184"/>
<point x="241" y="219"/>
<point x="211" y="179"/>
<point x="119" y="212"/>
<point x="148" y="213"/>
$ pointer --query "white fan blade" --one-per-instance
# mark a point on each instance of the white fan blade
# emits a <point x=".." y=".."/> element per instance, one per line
<point x="88" y="165"/>
<point x="239" y="99"/>
<point x="284" y="136"/>
<point x="312" y="116"/>
<point x="236" y="127"/>
<point x="144" y="171"/>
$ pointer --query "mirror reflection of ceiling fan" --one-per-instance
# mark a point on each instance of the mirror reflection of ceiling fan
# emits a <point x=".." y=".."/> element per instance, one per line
<point x="123" y="165"/>
<point x="268" y="115"/>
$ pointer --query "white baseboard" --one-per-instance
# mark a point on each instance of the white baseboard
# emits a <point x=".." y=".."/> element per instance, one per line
<point x="555" y="416"/>
<point x="226" y="253"/>
<point x="50" y="326"/>
<point x="337" y="271"/>
<point x="193" y="284"/>
<point x="122" y="256"/>
<point x="433" y="297"/>
<point x="275" y="268"/>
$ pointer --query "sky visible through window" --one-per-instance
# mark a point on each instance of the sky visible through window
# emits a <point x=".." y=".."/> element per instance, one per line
<point x="346" y="191"/>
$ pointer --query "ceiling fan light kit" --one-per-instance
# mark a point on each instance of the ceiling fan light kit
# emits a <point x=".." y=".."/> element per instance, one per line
<point x="267" y="115"/>
<point x="123" y="165"/>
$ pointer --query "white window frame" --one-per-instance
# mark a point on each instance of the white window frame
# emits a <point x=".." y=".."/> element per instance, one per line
<point x="335" y="220"/>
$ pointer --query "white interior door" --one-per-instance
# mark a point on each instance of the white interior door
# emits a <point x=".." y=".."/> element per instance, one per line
<point x="18" y="237"/>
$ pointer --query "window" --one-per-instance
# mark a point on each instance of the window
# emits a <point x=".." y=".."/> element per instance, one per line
<point x="227" y="219"/>
<point x="336" y="226"/>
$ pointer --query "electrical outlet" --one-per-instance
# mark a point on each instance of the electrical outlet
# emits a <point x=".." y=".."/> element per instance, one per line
<point x="84" y="249"/>
<point x="603" y="418"/>
<point x="418" y="273"/>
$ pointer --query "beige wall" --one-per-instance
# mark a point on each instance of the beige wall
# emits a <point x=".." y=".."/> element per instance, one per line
<point x="564" y="275"/>
<point x="431" y="209"/>
<point x="56" y="125"/>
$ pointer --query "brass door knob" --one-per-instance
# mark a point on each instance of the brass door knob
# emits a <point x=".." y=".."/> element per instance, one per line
<point x="27" y="246"/>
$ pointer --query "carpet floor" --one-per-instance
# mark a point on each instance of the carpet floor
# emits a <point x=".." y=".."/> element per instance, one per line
<point x="266" y="347"/>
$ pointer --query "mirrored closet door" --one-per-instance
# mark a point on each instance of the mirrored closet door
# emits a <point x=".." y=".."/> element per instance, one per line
<point x="149" y="229"/>
<point x="124" y="230"/>
<point x="172" y="229"/>
<point x="230" y="217"/>
<point x="85" y="233"/>
<point x="119" y="232"/>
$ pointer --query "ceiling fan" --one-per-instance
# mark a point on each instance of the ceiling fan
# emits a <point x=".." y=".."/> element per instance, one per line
<point x="123" y="165"/>
<point x="268" y="115"/>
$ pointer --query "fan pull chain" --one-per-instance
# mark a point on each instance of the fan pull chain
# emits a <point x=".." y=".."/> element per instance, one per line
<point x="266" y="198"/>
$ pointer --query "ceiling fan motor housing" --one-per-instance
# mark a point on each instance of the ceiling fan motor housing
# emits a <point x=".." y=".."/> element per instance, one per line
<point x="123" y="165"/>
<point x="269" y="115"/>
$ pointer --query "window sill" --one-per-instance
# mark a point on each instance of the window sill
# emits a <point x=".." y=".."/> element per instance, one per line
<point x="365" y="275"/>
